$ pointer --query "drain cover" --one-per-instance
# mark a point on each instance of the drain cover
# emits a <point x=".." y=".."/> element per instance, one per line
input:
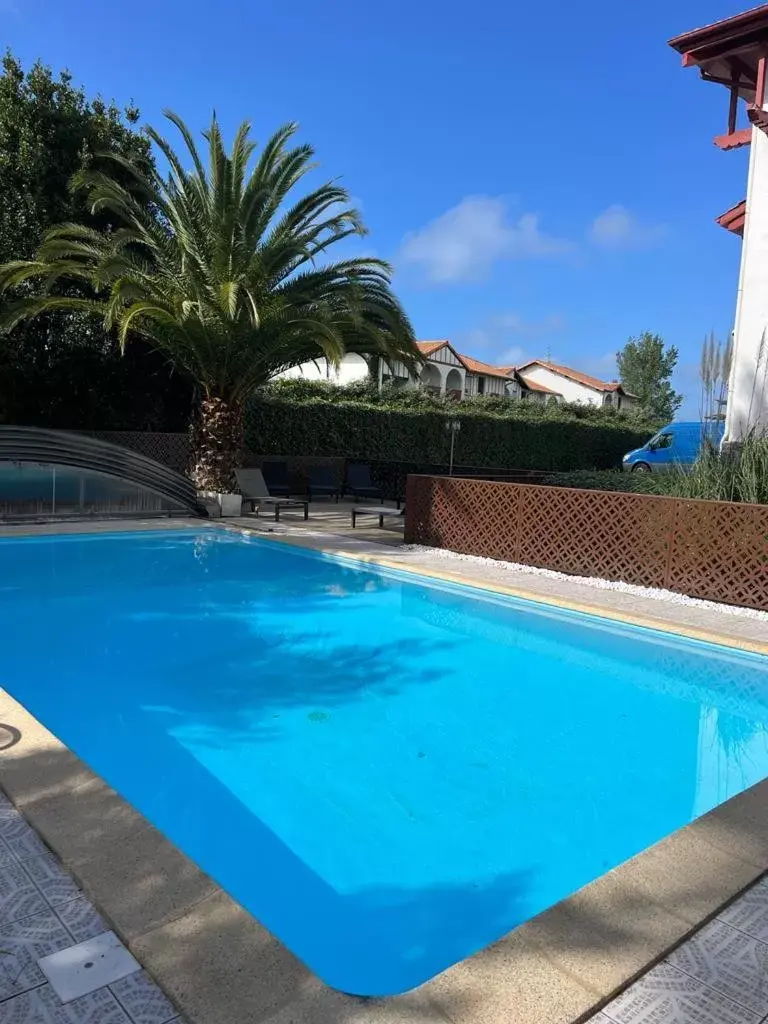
<point x="89" y="965"/>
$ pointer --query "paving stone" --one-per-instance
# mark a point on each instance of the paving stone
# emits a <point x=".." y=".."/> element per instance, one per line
<point x="23" y="943"/>
<point x="19" y="837"/>
<point x="727" y="961"/>
<point x="19" y="896"/>
<point x="56" y="885"/>
<point x="667" y="995"/>
<point x="43" y="1006"/>
<point x="144" y="1002"/>
<point x="749" y="913"/>
<point x="81" y="919"/>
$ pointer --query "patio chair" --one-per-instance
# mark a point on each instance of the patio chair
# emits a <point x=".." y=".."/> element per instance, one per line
<point x="322" y="482"/>
<point x="255" y="492"/>
<point x="359" y="483"/>
<point x="276" y="478"/>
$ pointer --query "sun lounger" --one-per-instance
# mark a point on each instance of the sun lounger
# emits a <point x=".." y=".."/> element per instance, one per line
<point x="322" y="482"/>
<point x="359" y="483"/>
<point x="255" y="491"/>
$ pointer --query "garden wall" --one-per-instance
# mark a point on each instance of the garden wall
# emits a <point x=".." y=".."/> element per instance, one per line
<point x="715" y="550"/>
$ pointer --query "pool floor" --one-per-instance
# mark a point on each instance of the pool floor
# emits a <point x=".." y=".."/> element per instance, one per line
<point x="389" y="774"/>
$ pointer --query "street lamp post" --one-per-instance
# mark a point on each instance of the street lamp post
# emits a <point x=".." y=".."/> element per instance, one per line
<point x="454" y="426"/>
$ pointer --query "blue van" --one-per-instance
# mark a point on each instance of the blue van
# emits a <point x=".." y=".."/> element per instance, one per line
<point x="676" y="444"/>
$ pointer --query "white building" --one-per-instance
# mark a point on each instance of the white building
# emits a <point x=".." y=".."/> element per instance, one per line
<point x="452" y="373"/>
<point x="734" y="53"/>
<point x="575" y="386"/>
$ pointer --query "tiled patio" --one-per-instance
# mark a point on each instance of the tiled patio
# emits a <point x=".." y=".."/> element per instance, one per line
<point x="719" y="976"/>
<point x="42" y="911"/>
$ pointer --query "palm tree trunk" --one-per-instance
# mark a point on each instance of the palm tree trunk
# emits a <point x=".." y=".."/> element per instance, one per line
<point x="217" y="444"/>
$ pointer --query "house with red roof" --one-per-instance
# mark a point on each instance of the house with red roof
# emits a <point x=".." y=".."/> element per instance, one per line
<point x="449" y="372"/>
<point x="446" y="371"/>
<point x="575" y="386"/>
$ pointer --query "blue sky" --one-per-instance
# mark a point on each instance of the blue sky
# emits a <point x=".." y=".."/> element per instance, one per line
<point x="541" y="175"/>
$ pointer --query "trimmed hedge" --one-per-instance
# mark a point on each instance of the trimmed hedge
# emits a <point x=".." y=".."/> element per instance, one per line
<point x="611" y="480"/>
<point x="313" y="421"/>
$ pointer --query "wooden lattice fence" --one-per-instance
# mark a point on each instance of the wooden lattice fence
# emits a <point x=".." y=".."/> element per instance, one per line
<point x="709" y="549"/>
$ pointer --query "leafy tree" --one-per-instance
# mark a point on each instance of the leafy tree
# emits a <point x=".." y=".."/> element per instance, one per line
<point x="229" y="282"/>
<point x="64" y="370"/>
<point x="645" y="369"/>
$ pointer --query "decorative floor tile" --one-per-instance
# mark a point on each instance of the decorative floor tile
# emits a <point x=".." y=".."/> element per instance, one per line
<point x="669" y="996"/>
<point x="143" y="1000"/>
<point x="18" y="895"/>
<point x="23" y="943"/>
<point x="750" y="912"/>
<point x="81" y="919"/>
<point x="88" y="966"/>
<point x="42" y="1006"/>
<point x="56" y="885"/>
<point x="20" y="838"/>
<point x="728" y="961"/>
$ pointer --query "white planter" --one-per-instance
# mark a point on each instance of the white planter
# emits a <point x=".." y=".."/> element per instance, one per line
<point x="221" y="504"/>
<point x="230" y="504"/>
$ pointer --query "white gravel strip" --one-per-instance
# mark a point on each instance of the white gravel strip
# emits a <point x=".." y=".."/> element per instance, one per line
<point x="589" y="581"/>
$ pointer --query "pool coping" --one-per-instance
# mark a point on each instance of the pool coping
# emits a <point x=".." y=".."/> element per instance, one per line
<point x="220" y="966"/>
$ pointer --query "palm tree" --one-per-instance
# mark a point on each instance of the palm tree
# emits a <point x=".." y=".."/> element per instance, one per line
<point x="220" y="273"/>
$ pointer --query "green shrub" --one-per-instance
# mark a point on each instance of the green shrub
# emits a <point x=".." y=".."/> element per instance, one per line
<point x="307" y="418"/>
<point x="739" y="476"/>
<point x="727" y="476"/>
<point x="613" y="480"/>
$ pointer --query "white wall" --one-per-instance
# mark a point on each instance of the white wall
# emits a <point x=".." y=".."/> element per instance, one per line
<point x="747" y="390"/>
<point x="351" y="369"/>
<point x="569" y="389"/>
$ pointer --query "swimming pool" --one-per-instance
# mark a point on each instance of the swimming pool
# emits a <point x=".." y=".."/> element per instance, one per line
<point x="388" y="773"/>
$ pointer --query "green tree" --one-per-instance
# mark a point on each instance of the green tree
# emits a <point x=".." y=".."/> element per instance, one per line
<point x="64" y="369"/>
<point x="231" y="283"/>
<point x="645" y="369"/>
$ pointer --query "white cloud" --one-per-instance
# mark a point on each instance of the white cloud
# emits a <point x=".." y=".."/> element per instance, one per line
<point x="514" y="356"/>
<point x="463" y="243"/>
<point x="617" y="228"/>
<point x="514" y="323"/>
<point x="495" y="340"/>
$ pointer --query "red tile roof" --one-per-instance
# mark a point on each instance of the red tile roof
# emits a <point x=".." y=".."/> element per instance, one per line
<point x="734" y="42"/>
<point x="733" y="219"/>
<point x="724" y="33"/>
<point x="427" y="348"/>
<point x="533" y="385"/>
<point x="476" y="366"/>
<point x="576" y="375"/>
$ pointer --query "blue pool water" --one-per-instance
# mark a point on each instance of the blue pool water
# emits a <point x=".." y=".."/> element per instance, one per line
<point x="388" y="774"/>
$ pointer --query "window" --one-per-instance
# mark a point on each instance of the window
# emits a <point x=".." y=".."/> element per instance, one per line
<point x="660" y="441"/>
<point x="481" y="385"/>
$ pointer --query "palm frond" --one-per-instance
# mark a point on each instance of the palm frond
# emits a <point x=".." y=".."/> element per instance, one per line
<point x="218" y="262"/>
